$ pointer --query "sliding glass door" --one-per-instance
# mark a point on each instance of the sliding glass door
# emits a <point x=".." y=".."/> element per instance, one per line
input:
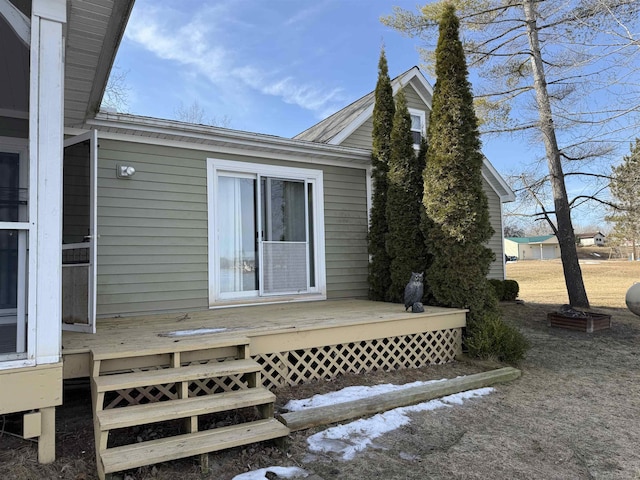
<point x="263" y="238"/>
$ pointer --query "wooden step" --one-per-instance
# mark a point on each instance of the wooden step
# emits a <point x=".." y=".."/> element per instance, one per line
<point x="182" y="408"/>
<point x="155" y="451"/>
<point x="171" y="345"/>
<point x="121" y="381"/>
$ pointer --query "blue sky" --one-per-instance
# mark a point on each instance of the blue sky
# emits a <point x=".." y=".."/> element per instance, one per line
<point x="274" y="67"/>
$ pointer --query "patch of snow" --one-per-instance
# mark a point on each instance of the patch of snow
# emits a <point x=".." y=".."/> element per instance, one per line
<point x="282" y="472"/>
<point x="351" y="438"/>
<point x="349" y="394"/>
<point x="188" y="333"/>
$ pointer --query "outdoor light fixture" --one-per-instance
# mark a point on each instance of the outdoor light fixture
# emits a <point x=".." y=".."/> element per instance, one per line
<point x="125" y="171"/>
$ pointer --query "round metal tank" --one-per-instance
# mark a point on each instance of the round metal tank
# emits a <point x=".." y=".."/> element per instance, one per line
<point x="632" y="298"/>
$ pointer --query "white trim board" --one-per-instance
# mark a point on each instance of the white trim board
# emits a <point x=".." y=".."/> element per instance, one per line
<point x="214" y="166"/>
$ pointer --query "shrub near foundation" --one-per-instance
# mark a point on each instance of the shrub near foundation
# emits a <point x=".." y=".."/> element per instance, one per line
<point x="498" y="287"/>
<point x="492" y="338"/>
<point x="506" y="290"/>
<point x="511" y="289"/>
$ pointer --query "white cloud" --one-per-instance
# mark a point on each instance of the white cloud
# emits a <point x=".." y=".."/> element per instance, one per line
<point x="197" y="43"/>
<point x="304" y="14"/>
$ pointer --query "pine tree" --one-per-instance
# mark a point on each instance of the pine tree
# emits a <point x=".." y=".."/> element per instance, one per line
<point x="383" y="112"/>
<point x="625" y="188"/>
<point x="456" y="204"/>
<point x="405" y="240"/>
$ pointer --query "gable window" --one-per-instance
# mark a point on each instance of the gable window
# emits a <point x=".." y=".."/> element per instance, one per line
<point x="266" y="231"/>
<point x="418" y="128"/>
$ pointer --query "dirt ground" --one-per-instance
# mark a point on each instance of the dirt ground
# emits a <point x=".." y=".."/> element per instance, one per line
<point x="574" y="413"/>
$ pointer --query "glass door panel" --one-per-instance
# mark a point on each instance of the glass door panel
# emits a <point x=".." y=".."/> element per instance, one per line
<point x="13" y="253"/>
<point x="237" y="246"/>
<point x="284" y="243"/>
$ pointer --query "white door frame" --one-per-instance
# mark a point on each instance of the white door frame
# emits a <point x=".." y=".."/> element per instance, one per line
<point x="92" y="137"/>
<point x="216" y="167"/>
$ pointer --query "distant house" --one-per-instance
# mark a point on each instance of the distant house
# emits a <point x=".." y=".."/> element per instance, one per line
<point x="544" y="247"/>
<point x="353" y="125"/>
<point x="590" y="238"/>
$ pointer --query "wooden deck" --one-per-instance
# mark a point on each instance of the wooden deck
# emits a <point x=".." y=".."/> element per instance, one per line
<point x="162" y="368"/>
<point x="272" y="329"/>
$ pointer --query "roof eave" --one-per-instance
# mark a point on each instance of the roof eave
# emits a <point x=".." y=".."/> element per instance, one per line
<point x="413" y="75"/>
<point x="117" y="24"/>
<point x="191" y="134"/>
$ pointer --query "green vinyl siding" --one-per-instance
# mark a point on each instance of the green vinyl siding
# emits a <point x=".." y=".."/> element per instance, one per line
<point x="152" y="245"/>
<point x="361" y="137"/>
<point x="153" y="228"/>
<point x="496" y="269"/>
<point x="346" y="223"/>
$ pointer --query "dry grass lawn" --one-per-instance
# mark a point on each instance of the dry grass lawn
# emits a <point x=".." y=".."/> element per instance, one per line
<point x="606" y="281"/>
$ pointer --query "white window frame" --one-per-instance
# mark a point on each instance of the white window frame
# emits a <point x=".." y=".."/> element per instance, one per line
<point x="216" y="167"/>
<point x="423" y="124"/>
<point x="26" y="329"/>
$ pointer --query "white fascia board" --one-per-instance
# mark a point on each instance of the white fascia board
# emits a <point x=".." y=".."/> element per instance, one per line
<point x="414" y="75"/>
<point x="353" y="126"/>
<point x="17" y="20"/>
<point x="409" y="77"/>
<point x="507" y="195"/>
<point x="211" y="139"/>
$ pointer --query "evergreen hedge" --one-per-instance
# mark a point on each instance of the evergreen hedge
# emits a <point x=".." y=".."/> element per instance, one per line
<point x="405" y="241"/>
<point x="383" y="112"/>
<point x="457" y="206"/>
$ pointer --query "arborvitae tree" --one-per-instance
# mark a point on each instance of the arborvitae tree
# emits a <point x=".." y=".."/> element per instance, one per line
<point x="558" y="73"/>
<point x="405" y="240"/>
<point x="383" y="111"/>
<point x="455" y="201"/>
<point x="426" y="224"/>
<point x="453" y="194"/>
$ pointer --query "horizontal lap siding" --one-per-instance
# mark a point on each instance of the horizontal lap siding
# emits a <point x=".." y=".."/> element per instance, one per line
<point x="496" y="269"/>
<point x="152" y="249"/>
<point x="361" y="137"/>
<point x="345" y="214"/>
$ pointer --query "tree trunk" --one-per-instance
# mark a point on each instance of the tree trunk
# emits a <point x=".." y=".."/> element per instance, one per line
<point x="566" y="237"/>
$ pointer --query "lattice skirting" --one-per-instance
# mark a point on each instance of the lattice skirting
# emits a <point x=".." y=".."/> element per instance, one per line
<point x="390" y="353"/>
<point x="321" y="363"/>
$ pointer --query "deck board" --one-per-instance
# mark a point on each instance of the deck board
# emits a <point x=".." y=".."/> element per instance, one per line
<point x="273" y="323"/>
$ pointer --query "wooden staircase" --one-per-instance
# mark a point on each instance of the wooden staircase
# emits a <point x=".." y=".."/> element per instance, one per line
<point x="165" y="383"/>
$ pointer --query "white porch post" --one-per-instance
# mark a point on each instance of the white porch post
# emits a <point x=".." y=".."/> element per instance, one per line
<point x="46" y="108"/>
